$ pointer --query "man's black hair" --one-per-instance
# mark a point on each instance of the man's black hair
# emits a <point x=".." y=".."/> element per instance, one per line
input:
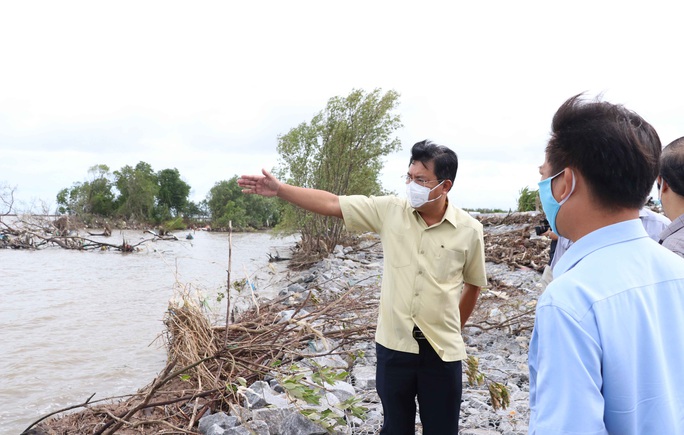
<point x="616" y="151"/>
<point x="445" y="161"/>
<point x="672" y="166"/>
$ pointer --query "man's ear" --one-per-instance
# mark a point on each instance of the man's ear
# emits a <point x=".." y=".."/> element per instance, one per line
<point x="664" y="187"/>
<point x="568" y="183"/>
<point x="446" y="187"/>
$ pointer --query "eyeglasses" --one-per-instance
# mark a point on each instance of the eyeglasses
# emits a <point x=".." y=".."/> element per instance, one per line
<point x="423" y="182"/>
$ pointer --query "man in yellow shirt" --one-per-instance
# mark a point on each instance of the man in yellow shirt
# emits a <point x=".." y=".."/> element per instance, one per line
<point x="434" y="268"/>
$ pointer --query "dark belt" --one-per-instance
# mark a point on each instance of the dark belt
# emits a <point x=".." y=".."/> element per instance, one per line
<point x="418" y="334"/>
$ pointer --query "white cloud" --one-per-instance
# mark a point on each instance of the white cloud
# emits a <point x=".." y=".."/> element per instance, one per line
<point x="207" y="87"/>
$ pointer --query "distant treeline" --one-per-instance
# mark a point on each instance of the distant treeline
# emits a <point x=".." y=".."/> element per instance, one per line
<point x="139" y="194"/>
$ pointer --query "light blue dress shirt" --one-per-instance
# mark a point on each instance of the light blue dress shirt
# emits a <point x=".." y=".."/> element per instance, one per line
<point x="607" y="349"/>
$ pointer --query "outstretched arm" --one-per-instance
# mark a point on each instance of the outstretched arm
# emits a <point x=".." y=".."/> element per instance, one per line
<point x="314" y="200"/>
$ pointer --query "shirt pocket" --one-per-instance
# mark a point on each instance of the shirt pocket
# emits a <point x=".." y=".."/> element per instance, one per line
<point x="401" y="251"/>
<point x="448" y="264"/>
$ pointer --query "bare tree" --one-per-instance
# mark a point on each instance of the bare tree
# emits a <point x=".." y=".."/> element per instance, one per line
<point x="6" y="199"/>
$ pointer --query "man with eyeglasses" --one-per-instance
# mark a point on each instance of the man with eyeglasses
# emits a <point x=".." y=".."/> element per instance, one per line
<point x="434" y="268"/>
<point x="671" y="192"/>
<point x="606" y="352"/>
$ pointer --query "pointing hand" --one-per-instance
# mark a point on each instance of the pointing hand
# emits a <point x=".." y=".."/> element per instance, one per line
<point x="265" y="185"/>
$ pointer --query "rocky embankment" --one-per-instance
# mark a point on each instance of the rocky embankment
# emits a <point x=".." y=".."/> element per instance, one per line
<point x="497" y="337"/>
<point x="332" y="379"/>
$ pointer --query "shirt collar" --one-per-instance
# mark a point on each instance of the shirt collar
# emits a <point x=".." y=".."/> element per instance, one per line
<point x="450" y="214"/>
<point x="605" y="236"/>
<point x="676" y="225"/>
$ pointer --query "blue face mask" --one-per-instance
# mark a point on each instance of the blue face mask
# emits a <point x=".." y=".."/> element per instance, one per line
<point x="659" y="202"/>
<point x="549" y="203"/>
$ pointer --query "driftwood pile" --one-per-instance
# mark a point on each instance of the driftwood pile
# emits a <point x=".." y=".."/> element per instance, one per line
<point x="507" y="240"/>
<point x="34" y="232"/>
<point x="207" y="364"/>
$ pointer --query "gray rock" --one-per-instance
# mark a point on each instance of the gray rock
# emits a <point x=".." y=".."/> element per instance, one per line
<point x="274" y="417"/>
<point x="364" y="377"/>
<point x="297" y="424"/>
<point x="329" y="401"/>
<point x="331" y="361"/>
<point x="275" y="385"/>
<point x="308" y="277"/>
<point x="325" y="266"/>
<point x="342" y="390"/>
<point x="260" y="395"/>
<point x="320" y="346"/>
<point x="243" y="414"/>
<point x="327" y="276"/>
<point x="285" y="316"/>
<point x="351" y="264"/>
<point x="296" y="288"/>
<point x="213" y="430"/>
<point x="216" y="424"/>
<point x="256" y="427"/>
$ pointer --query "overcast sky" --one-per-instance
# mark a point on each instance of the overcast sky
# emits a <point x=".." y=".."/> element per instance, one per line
<point x="206" y="87"/>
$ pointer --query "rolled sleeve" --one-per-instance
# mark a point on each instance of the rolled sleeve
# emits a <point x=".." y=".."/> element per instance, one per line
<point x="475" y="270"/>
<point x="363" y="213"/>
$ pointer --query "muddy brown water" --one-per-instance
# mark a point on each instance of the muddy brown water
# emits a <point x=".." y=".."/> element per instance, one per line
<point x="77" y="323"/>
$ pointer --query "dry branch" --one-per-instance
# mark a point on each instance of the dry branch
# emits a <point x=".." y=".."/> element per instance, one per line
<point x="254" y="346"/>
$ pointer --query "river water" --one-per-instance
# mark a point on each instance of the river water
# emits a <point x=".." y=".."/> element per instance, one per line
<point x="76" y="323"/>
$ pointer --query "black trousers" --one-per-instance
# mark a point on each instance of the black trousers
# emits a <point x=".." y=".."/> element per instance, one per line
<point x="401" y="376"/>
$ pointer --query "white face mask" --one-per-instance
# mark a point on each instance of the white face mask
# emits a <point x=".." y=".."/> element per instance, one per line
<point x="418" y="195"/>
